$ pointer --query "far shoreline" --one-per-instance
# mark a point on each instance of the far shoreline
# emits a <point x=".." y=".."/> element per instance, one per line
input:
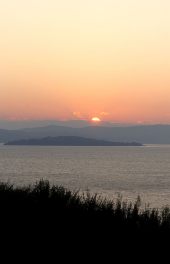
<point x="71" y="141"/>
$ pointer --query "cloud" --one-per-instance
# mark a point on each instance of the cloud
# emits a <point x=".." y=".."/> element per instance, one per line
<point x="81" y="115"/>
<point x="104" y="113"/>
<point x="78" y="115"/>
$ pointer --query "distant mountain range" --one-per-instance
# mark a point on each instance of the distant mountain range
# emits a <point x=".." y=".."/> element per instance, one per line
<point x="69" y="141"/>
<point x="153" y="134"/>
<point x="17" y="124"/>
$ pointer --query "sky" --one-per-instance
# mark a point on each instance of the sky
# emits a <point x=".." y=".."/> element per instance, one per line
<point x="76" y="59"/>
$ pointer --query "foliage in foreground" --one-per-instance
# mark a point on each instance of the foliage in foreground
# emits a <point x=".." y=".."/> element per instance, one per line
<point x="59" y="207"/>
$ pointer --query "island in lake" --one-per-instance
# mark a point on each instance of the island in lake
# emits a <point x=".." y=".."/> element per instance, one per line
<point x="69" y="141"/>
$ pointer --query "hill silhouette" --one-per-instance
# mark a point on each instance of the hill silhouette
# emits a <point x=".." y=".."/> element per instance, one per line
<point x="70" y="141"/>
<point x="153" y="134"/>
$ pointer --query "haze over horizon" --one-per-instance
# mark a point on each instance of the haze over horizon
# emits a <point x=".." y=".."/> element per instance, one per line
<point x="23" y="124"/>
<point x="64" y="60"/>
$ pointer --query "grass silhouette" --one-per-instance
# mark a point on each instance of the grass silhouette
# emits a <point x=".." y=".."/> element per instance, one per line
<point x="53" y="220"/>
<point x="63" y="209"/>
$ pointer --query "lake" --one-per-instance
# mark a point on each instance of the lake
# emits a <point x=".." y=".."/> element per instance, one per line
<point x="109" y="171"/>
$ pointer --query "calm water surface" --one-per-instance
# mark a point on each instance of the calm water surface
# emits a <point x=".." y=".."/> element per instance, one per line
<point x="106" y="170"/>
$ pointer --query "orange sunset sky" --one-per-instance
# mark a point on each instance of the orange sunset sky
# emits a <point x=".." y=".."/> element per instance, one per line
<point x="75" y="59"/>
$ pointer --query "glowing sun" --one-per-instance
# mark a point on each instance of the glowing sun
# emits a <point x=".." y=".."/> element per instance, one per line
<point x="96" y="119"/>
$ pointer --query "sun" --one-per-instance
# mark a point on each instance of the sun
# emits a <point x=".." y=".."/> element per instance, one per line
<point x="96" y="119"/>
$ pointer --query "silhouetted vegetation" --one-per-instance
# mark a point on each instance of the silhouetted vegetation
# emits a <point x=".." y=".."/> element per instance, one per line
<point x="68" y="210"/>
<point x="55" y="219"/>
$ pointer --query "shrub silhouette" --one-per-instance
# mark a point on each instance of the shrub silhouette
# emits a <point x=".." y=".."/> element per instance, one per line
<point x="59" y="206"/>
